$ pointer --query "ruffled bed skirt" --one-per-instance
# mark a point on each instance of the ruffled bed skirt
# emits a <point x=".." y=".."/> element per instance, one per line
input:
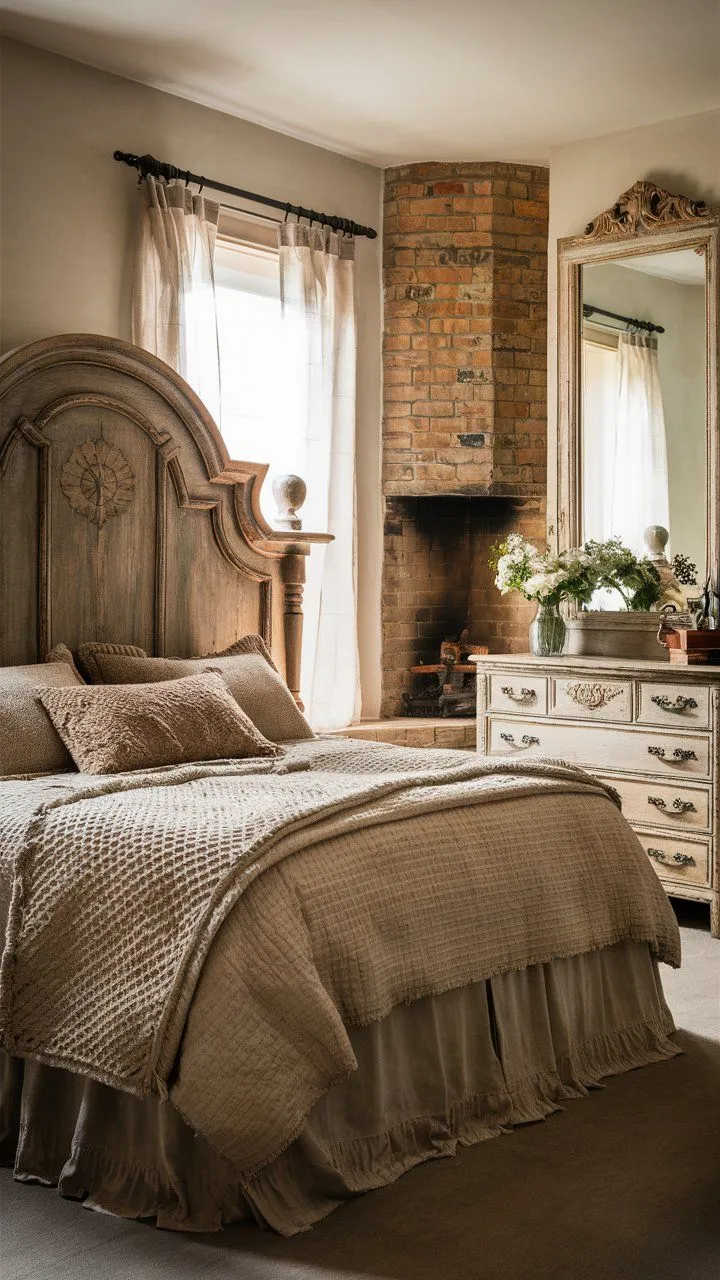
<point x="455" y="1068"/>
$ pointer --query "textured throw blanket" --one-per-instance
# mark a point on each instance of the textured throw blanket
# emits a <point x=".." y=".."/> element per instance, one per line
<point x="118" y="887"/>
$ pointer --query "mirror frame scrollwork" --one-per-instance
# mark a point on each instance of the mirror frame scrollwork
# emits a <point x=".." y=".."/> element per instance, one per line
<point x="642" y="220"/>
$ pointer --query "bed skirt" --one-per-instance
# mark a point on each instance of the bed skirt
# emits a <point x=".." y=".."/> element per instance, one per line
<point x="446" y="1070"/>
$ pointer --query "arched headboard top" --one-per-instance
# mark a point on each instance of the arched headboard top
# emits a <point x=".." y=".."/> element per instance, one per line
<point x="123" y="517"/>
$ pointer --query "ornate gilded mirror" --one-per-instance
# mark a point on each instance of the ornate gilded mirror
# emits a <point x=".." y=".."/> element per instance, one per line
<point x="638" y="438"/>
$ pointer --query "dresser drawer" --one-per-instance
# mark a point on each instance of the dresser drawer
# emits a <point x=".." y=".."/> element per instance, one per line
<point x="592" y="699"/>
<point x="677" y="860"/>
<point x="512" y="692"/>
<point x="656" y="804"/>
<point x="601" y="747"/>
<point x="674" y="706"/>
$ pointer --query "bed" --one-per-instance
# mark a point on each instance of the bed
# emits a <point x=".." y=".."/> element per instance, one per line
<point x="253" y="987"/>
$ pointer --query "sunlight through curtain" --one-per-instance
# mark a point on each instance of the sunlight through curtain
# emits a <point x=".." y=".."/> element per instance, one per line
<point x="173" y="297"/>
<point x="317" y="283"/>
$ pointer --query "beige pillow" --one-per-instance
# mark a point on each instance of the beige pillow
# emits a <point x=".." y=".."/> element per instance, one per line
<point x="90" y="658"/>
<point x="141" y="726"/>
<point x="61" y="653"/>
<point x="247" y="667"/>
<point x="28" y="741"/>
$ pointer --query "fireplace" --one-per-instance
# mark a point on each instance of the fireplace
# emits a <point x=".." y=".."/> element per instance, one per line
<point x="464" y="424"/>
<point x="437" y="582"/>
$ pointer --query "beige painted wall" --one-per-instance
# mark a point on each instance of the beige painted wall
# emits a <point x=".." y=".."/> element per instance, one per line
<point x="67" y="219"/>
<point x="682" y="155"/>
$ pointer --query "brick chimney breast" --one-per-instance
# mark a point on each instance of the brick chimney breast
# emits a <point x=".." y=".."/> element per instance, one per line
<point x="465" y="274"/>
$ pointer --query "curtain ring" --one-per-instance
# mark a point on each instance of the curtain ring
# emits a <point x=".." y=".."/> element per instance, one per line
<point x="287" y="212"/>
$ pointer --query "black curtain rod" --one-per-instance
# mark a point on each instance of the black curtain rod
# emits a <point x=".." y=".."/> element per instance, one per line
<point x="646" y="325"/>
<point x="160" y="169"/>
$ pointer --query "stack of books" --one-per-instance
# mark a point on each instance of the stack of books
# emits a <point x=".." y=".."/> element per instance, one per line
<point x="689" y="647"/>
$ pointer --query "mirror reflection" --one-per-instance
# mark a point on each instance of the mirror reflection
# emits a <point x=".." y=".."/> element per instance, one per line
<point x="643" y="412"/>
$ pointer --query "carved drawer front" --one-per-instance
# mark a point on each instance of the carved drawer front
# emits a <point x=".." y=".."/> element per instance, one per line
<point x="676" y="860"/>
<point x="657" y="804"/>
<point x="601" y="747"/>
<point x="592" y="699"/>
<point x="512" y="692"/>
<point x="675" y="706"/>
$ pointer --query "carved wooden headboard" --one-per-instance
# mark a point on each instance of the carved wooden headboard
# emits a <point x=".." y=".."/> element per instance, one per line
<point x="123" y="518"/>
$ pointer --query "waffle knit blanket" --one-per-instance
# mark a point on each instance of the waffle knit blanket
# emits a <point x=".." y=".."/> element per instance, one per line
<point x="312" y="882"/>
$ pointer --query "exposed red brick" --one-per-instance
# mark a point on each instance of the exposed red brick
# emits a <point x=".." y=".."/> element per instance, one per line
<point x="465" y="262"/>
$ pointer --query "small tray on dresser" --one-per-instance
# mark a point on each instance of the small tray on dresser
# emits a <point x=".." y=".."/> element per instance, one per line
<point x="655" y="739"/>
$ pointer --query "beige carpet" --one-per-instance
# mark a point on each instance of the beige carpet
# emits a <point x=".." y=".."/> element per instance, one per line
<point x="624" y="1185"/>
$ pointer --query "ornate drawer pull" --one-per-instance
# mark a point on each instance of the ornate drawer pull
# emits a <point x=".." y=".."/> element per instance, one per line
<point x="679" y="807"/>
<point x="680" y="703"/>
<point x="657" y="855"/>
<point x="527" y="740"/>
<point x="682" y="859"/>
<point x="525" y="695"/>
<point x="678" y="754"/>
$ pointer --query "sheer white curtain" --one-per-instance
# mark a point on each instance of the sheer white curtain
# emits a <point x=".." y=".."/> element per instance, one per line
<point x="625" y="474"/>
<point x="173" y="299"/>
<point x="640" y="491"/>
<point x="317" y="283"/>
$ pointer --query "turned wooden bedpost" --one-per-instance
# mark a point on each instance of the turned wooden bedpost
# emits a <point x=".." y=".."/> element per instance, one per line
<point x="293" y="577"/>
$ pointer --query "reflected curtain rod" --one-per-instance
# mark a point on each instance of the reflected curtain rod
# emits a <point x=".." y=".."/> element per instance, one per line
<point x="646" y="325"/>
<point x="161" y="169"/>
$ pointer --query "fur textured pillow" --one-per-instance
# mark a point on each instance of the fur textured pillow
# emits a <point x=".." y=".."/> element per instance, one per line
<point x="247" y="667"/>
<point x="28" y="741"/>
<point x="143" y="726"/>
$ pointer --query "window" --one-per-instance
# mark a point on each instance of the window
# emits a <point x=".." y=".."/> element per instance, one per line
<point x="259" y="376"/>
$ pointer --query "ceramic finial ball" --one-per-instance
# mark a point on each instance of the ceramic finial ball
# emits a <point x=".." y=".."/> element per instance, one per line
<point x="656" y="538"/>
<point x="289" y="493"/>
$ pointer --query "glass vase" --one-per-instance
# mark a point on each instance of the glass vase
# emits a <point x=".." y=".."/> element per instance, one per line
<point x="547" y="632"/>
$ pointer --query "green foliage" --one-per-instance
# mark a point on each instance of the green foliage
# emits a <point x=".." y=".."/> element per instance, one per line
<point x="637" y="581"/>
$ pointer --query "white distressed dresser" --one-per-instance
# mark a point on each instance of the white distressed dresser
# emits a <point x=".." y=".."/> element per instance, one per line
<point x="651" y="730"/>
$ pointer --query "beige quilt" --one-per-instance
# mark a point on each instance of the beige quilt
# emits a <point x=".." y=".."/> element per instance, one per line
<point x="369" y="876"/>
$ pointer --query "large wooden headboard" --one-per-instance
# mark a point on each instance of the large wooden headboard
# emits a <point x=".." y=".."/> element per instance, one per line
<point x="123" y="518"/>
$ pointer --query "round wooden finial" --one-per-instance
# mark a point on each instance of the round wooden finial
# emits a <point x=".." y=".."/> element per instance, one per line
<point x="289" y="493"/>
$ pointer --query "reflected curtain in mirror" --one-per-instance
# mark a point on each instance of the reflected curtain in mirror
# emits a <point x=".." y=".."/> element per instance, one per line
<point x="624" y="452"/>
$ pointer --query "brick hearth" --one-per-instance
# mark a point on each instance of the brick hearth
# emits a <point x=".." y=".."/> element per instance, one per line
<point x="465" y="265"/>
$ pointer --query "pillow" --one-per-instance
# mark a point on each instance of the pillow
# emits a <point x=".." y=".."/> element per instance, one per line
<point x="89" y="658"/>
<point x="61" y="653"/>
<point x="140" y="726"/>
<point x="248" y="669"/>
<point x="28" y="742"/>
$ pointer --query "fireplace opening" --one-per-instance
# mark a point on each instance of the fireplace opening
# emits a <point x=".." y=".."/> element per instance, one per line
<point x="438" y="589"/>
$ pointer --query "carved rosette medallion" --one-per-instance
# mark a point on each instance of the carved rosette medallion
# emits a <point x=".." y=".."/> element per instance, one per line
<point x="97" y="481"/>
<point x="591" y="694"/>
<point x="644" y="207"/>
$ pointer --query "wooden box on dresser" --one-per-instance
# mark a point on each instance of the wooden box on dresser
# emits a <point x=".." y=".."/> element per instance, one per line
<point x="651" y="730"/>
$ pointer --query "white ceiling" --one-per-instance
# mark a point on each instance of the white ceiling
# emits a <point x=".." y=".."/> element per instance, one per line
<point x="684" y="266"/>
<point x="389" y="81"/>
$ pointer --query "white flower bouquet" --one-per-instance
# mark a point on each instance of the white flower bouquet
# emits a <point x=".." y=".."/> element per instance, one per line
<point x="574" y="574"/>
